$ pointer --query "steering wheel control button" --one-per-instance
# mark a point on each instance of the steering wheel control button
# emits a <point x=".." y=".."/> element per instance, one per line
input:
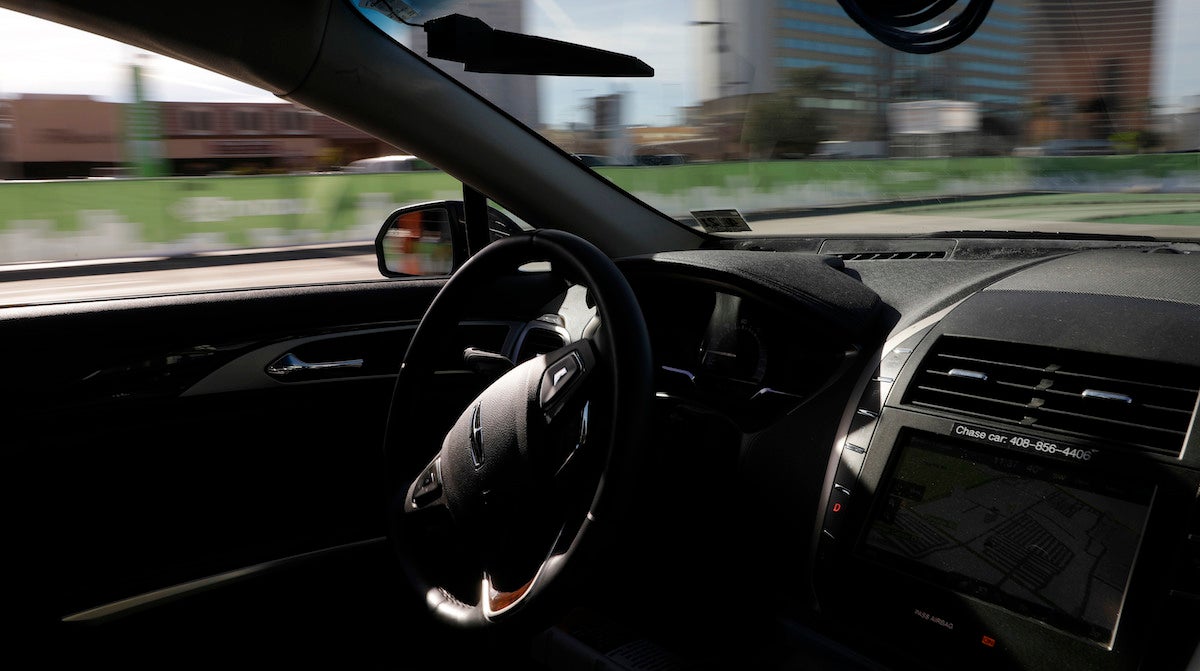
<point x="428" y="486"/>
<point x="558" y="377"/>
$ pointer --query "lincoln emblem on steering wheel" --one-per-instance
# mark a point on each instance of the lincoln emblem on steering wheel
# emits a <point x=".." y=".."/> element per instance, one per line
<point x="476" y="439"/>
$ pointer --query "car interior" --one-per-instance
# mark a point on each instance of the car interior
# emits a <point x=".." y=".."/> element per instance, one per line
<point x="666" y="449"/>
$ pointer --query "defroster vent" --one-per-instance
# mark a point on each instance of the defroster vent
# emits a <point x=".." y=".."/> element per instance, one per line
<point x="891" y="256"/>
<point x="1140" y="403"/>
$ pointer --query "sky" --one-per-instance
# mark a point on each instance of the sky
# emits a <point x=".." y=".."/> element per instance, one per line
<point x="40" y="57"/>
<point x="1178" y="52"/>
<point x="659" y="36"/>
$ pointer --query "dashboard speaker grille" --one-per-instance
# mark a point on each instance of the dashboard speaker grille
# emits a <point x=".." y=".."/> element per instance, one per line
<point x="1145" y="404"/>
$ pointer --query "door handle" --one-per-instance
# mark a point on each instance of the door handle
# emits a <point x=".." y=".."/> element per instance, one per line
<point x="290" y="364"/>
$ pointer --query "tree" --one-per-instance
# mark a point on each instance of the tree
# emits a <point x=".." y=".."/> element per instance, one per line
<point x="786" y="123"/>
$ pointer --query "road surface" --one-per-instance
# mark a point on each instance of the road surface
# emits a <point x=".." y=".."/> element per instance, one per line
<point x="187" y="280"/>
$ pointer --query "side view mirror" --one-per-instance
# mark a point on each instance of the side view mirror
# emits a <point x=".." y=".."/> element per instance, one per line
<point x="430" y="238"/>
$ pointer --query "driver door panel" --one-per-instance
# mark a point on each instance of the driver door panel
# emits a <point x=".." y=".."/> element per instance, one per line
<point x="157" y="451"/>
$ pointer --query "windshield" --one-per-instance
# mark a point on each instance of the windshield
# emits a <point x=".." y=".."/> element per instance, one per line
<point x="1056" y="115"/>
<point x="763" y="117"/>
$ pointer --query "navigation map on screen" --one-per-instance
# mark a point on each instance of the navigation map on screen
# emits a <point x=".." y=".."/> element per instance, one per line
<point x="1051" y="544"/>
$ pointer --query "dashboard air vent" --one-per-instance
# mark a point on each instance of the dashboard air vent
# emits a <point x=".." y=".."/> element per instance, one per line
<point x="891" y="256"/>
<point x="539" y="340"/>
<point x="1141" y="403"/>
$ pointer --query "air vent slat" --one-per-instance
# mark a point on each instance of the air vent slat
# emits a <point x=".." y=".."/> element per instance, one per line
<point x="1026" y="387"/>
<point x="960" y="411"/>
<point x="1006" y="364"/>
<point x="976" y="397"/>
<point x="988" y="389"/>
<point x="1146" y="405"/>
<point x="1106" y="420"/>
<point x="1175" y="410"/>
<point x="1101" y="378"/>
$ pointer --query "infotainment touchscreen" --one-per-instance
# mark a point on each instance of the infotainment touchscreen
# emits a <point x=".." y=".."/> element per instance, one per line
<point x="1044" y="540"/>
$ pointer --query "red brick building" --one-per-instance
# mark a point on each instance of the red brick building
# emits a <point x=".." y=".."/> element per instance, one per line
<point x="63" y="136"/>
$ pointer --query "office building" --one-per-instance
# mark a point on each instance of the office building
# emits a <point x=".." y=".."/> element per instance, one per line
<point x="1092" y="64"/>
<point x="750" y="47"/>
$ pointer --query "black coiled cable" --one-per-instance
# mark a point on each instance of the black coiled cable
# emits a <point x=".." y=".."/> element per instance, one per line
<point x="890" y="22"/>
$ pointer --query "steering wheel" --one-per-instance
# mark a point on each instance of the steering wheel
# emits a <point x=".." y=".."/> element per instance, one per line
<point x="538" y="466"/>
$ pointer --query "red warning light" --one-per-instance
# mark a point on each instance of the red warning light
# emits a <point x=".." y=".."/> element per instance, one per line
<point x="837" y="507"/>
<point x="988" y="641"/>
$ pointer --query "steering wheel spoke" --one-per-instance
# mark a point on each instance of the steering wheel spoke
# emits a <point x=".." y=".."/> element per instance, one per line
<point x="572" y="441"/>
<point x="569" y="411"/>
<point x="496" y="601"/>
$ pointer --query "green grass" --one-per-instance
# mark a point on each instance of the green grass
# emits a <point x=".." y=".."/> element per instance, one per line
<point x="171" y="209"/>
<point x="1190" y="218"/>
<point x="174" y="209"/>
<point x="1056" y="199"/>
<point x="1148" y="165"/>
<point x="899" y="176"/>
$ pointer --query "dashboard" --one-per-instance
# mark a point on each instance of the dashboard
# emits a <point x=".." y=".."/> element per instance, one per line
<point x="867" y="454"/>
<point x="1010" y="477"/>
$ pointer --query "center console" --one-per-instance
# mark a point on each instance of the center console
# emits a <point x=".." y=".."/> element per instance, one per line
<point x="1014" y="503"/>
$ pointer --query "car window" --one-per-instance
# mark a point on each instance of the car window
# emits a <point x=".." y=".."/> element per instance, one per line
<point x="169" y="178"/>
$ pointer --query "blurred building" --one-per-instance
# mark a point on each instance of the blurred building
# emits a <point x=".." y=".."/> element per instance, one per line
<point x="202" y="138"/>
<point x="737" y="56"/>
<point x="1092" y="64"/>
<point x="7" y="169"/>
<point x="515" y="94"/>
<point x="1178" y="129"/>
<point x="59" y="136"/>
<point x="45" y="136"/>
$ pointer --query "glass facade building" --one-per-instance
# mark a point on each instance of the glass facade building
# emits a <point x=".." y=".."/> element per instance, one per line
<point x="991" y="71"/>
<point x="1092" y="63"/>
<point x="1037" y="69"/>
